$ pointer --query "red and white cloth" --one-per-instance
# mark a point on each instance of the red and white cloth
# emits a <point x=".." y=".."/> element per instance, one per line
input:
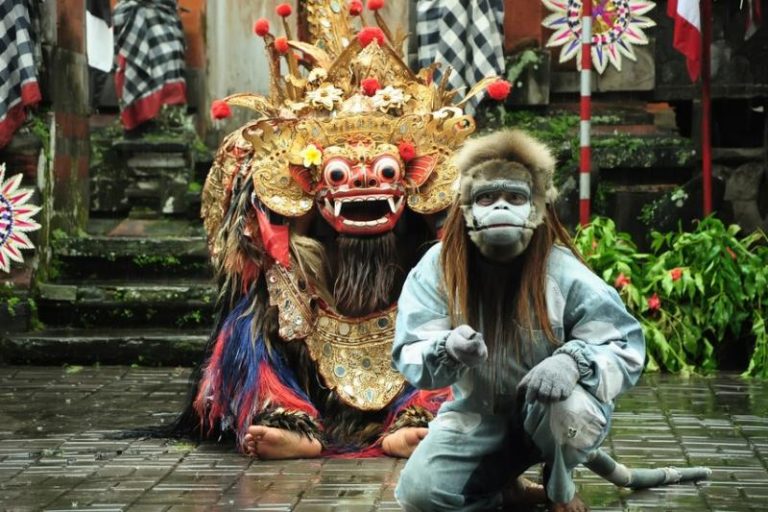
<point x="149" y="41"/>
<point x="687" y="35"/>
<point x="18" y="75"/>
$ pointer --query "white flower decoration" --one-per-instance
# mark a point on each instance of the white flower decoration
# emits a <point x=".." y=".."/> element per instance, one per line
<point x="389" y="97"/>
<point x="326" y="96"/>
<point x="316" y="75"/>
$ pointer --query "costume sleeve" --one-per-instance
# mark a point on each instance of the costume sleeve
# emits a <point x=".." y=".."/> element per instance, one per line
<point x="604" y="339"/>
<point x="422" y="328"/>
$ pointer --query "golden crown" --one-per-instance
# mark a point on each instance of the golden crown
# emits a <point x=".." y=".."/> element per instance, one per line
<point x="351" y="87"/>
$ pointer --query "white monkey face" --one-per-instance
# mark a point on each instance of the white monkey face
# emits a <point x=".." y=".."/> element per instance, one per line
<point x="499" y="219"/>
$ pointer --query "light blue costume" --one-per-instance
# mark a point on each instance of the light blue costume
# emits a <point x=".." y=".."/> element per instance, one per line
<point x="474" y="447"/>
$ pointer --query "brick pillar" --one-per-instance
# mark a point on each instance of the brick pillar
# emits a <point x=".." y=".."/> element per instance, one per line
<point x="522" y="24"/>
<point x="69" y="95"/>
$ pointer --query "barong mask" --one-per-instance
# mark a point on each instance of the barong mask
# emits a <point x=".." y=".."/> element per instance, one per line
<point x="356" y="135"/>
<point x="506" y="183"/>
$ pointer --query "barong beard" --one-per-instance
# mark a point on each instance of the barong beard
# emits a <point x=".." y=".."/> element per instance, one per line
<point x="367" y="272"/>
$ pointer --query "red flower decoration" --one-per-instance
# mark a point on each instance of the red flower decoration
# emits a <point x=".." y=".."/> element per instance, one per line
<point x="654" y="303"/>
<point x="375" y="5"/>
<point x="407" y="151"/>
<point x="355" y="8"/>
<point x="370" y="86"/>
<point x="368" y="34"/>
<point x="284" y="10"/>
<point x="621" y="281"/>
<point x="499" y="90"/>
<point x="281" y="44"/>
<point x="731" y="253"/>
<point x="220" y="109"/>
<point x="261" y="27"/>
<point x="676" y="273"/>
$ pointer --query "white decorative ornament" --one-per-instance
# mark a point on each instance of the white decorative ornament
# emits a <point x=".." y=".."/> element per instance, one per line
<point x="389" y="97"/>
<point x="15" y="220"/>
<point x="616" y="26"/>
<point x="326" y="96"/>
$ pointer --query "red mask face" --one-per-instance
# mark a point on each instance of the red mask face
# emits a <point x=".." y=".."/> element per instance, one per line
<point x="362" y="196"/>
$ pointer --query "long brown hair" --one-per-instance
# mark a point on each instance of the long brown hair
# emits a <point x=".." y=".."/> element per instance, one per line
<point x="531" y="302"/>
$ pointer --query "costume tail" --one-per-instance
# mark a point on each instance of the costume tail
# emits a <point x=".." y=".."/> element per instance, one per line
<point x="620" y="475"/>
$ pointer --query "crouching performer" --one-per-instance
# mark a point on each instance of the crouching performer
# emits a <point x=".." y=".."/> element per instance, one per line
<point x="535" y="345"/>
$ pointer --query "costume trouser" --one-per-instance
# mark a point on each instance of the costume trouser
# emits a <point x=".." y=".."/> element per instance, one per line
<point x="468" y="458"/>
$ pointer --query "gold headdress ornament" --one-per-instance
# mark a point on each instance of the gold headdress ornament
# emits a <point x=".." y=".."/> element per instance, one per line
<point x="356" y="98"/>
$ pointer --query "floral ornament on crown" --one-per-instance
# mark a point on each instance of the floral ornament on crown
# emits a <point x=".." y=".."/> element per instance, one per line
<point x="15" y="220"/>
<point x="326" y="96"/>
<point x="617" y="25"/>
<point x="311" y="156"/>
<point x="389" y="98"/>
<point x="347" y="128"/>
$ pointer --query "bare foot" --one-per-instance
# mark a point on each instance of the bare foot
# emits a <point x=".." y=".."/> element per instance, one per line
<point x="402" y="442"/>
<point x="274" y="443"/>
<point x="575" y="505"/>
<point x="524" y="492"/>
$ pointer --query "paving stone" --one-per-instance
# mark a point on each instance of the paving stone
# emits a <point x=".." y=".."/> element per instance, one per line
<point x="58" y="452"/>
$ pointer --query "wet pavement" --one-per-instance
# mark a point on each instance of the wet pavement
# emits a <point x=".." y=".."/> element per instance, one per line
<point x="56" y="452"/>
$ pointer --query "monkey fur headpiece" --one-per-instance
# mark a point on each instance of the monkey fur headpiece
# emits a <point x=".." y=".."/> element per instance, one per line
<point x="506" y="181"/>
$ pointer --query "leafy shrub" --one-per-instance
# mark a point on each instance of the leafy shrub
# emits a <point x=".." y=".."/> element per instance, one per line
<point x="694" y="291"/>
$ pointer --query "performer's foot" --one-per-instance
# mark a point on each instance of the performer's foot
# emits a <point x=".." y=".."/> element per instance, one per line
<point x="275" y="443"/>
<point x="524" y="492"/>
<point x="402" y="442"/>
<point x="575" y="505"/>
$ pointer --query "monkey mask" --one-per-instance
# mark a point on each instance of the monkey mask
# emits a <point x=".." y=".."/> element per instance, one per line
<point x="506" y="183"/>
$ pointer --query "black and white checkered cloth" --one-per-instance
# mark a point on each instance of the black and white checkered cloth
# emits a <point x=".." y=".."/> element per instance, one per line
<point x="149" y="42"/>
<point x="18" y="74"/>
<point x="466" y="35"/>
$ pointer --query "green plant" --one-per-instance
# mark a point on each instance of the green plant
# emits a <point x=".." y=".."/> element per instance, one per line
<point x="147" y="260"/>
<point x="613" y="256"/>
<point x="11" y="304"/>
<point x="691" y="293"/>
<point x="516" y="64"/>
<point x="712" y="284"/>
<point x="194" y="317"/>
<point x="39" y="126"/>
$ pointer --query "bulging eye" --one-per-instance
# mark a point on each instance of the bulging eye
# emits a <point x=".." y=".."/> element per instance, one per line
<point x="387" y="168"/>
<point x="336" y="172"/>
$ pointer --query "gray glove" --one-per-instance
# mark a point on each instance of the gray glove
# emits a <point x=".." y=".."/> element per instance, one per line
<point x="466" y="345"/>
<point x="551" y="380"/>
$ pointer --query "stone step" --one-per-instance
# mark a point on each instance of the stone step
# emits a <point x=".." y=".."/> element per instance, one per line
<point x="132" y="258"/>
<point x="607" y="113"/>
<point x="650" y="154"/>
<point x="176" y="303"/>
<point x="150" y="347"/>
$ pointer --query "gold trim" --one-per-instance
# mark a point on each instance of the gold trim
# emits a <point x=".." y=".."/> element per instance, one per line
<point x="295" y="316"/>
<point x="353" y="357"/>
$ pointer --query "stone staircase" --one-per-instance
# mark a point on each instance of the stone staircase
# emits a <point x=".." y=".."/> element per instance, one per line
<point x="137" y="287"/>
<point x="144" y="299"/>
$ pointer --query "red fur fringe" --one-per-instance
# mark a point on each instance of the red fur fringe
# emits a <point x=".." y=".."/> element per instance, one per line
<point x="273" y="391"/>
